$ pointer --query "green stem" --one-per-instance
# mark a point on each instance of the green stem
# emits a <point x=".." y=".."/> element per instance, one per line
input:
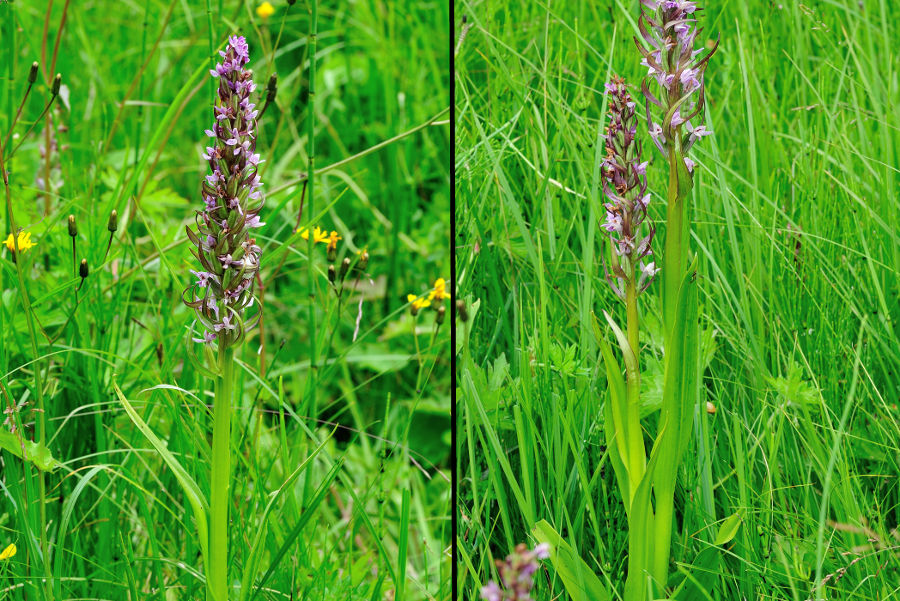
<point x="221" y="477"/>
<point x="672" y="263"/>
<point x="38" y="383"/>
<point x="635" y="435"/>
<point x="312" y="383"/>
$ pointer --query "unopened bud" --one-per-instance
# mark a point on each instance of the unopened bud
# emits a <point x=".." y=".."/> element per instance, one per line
<point x="331" y="253"/>
<point x="461" y="310"/>
<point x="272" y="87"/>
<point x="441" y="314"/>
<point x="332" y="274"/>
<point x="32" y="75"/>
<point x="345" y="267"/>
<point x="57" y="82"/>
<point x="363" y="260"/>
<point x="113" y="223"/>
<point x="83" y="269"/>
<point x="73" y="229"/>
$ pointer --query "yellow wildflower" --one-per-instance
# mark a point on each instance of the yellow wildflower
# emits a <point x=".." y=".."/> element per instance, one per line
<point x="8" y="552"/>
<point x="24" y="242"/>
<point x="319" y="235"/>
<point x="265" y="10"/>
<point x="332" y="241"/>
<point x="417" y="302"/>
<point x="439" y="293"/>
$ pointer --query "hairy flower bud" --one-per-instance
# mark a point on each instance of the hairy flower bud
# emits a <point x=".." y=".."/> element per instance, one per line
<point x="625" y="187"/>
<point x="83" y="269"/>
<point x="73" y="228"/>
<point x="113" y="224"/>
<point x="668" y="27"/>
<point x="228" y="256"/>
<point x="32" y="75"/>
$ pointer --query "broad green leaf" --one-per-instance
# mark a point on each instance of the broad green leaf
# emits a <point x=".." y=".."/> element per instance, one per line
<point x="728" y="530"/>
<point x="36" y="454"/>
<point x="579" y="580"/>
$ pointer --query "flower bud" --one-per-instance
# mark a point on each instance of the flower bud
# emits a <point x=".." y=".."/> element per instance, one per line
<point x="73" y="229"/>
<point x="57" y="82"/>
<point x="332" y="274"/>
<point x="441" y="314"/>
<point x="331" y="253"/>
<point x="363" y="260"/>
<point x="461" y="310"/>
<point x="345" y="267"/>
<point x="113" y="224"/>
<point x="32" y="75"/>
<point x="83" y="269"/>
<point x="272" y="88"/>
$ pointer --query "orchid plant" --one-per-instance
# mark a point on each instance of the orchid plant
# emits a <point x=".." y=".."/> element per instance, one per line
<point x="646" y="482"/>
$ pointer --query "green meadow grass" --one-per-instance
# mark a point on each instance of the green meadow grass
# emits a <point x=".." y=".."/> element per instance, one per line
<point x="340" y="491"/>
<point x="795" y="214"/>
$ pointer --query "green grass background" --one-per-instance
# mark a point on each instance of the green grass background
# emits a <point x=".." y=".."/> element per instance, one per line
<point x="368" y="517"/>
<point x="795" y="223"/>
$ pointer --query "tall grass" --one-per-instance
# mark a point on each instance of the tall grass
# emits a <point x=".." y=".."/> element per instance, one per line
<point x="794" y="222"/>
<point x="346" y="496"/>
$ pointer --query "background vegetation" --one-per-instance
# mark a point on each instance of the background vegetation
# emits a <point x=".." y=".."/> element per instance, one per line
<point x="795" y="211"/>
<point x="368" y="517"/>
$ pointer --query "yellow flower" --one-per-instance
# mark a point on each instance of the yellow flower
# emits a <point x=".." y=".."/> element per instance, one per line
<point x="265" y="10"/>
<point x="332" y="241"/>
<point x="8" y="552"/>
<point x="24" y="242"/>
<point x="439" y="293"/>
<point x="319" y="235"/>
<point x="417" y="302"/>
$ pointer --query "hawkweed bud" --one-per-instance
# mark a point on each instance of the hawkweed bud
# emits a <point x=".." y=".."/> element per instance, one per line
<point x="83" y="269"/>
<point x="57" y="82"/>
<point x="625" y="187"/>
<point x="332" y="274"/>
<point x="272" y="87"/>
<point x="73" y="229"/>
<point x="113" y="224"/>
<point x="441" y="314"/>
<point x="461" y="311"/>
<point x="363" y="260"/>
<point x="32" y="75"/>
<point x="672" y="61"/>
<point x="331" y="253"/>
<point x="345" y="267"/>
<point x="228" y="256"/>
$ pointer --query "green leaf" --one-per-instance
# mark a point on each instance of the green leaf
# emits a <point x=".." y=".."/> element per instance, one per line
<point x="577" y="576"/>
<point x="36" y="454"/>
<point x="728" y="530"/>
